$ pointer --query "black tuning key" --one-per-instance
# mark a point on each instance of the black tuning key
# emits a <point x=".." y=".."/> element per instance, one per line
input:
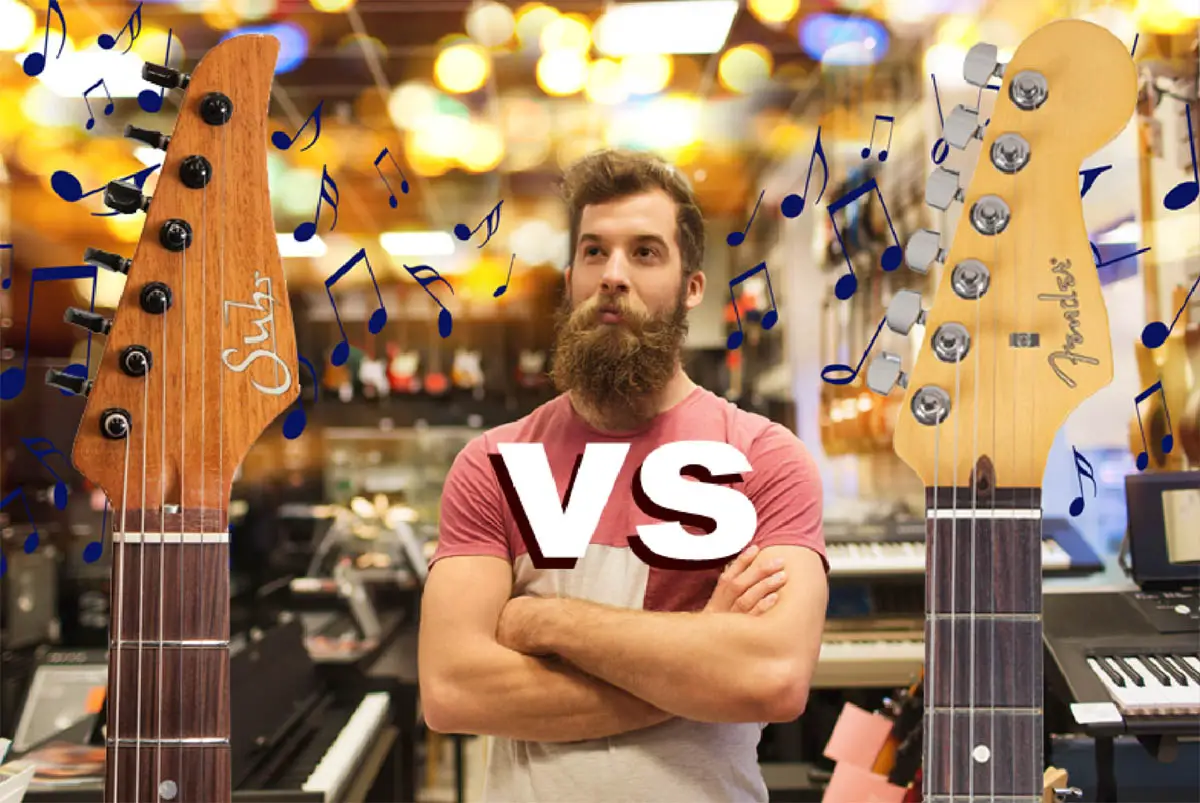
<point x="155" y="139"/>
<point x="92" y="321"/>
<point x="107" y="260"/>
<point x="78" y="385"/>
<point x="125" y="198"/>
<point x="166" y="77"/>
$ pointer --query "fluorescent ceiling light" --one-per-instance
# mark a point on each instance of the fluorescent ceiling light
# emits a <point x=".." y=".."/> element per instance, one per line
<point x="290" y="248"/>
<point x="1127" y="232"/>
<point x="122" y="73"/>
<point x="417" y="243"/>
<point x="684" y="26"/>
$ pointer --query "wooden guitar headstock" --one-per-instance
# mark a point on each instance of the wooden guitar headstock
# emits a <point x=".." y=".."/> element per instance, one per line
<point x="201" y="354"/>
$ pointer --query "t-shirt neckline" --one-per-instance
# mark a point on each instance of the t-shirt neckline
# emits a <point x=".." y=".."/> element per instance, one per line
<point x="654" y="423"/>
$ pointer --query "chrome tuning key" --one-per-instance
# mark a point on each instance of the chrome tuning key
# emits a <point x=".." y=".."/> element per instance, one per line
<point x="924" y="248"/>
<point x="981" y="65"/>
<point x="942" y="188"/>
<point x="962" y="126"/>
<point x="885" y="373"/>
<point x="905" y="311"/>
<point x="125" y="198"/>
<point x="71" y="383"/>
<point x="107" y="260"/>
<point x="155" y="139"/>
<point x="91" y="321"/>
<point x="166" y="77"/>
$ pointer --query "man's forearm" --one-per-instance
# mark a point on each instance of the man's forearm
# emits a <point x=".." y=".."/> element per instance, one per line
<point x="504" y="693"/>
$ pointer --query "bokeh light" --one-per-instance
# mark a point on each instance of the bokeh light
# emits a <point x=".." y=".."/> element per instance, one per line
<point x="532" y="18"/>
<point x="568" y="32"/>
<point x="646" y="73"/>
<point x="745" y="68"/>
<point x="332" y="6"/>
<point x="773" y="12"/>
<point x="462" y="68"/>
<point x="604" y="82"/>
<point x="17" y="22"/>
<point x="562" y="72"/>
<point x="491" y="24"/>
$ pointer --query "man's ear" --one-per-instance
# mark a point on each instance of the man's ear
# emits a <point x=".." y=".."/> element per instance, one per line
<point x="695" y="289"/>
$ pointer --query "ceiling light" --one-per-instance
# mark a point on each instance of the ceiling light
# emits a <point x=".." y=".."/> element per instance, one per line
<point x="290" y="248"/>
<point x="646" y="73"/>
<point x="685" y="26"/>
<point x="417" y="243"/>
<point x="562" y="72"/>
<point x="1128" y="232"/>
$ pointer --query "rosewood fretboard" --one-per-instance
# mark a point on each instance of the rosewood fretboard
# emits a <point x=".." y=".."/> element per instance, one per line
<point x="983" y="646"/>
<point x="168" y="661"/>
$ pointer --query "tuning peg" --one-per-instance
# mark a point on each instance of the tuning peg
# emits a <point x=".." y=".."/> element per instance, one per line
<point x="166" y="77"/>
<point x="155" y="139"/>
<point x="107" y="260"/>
<point x="924" y="248"/>
<point x="1069" y="793"/>
<point x="981" y="64"/>
<point x="961" y="126"/>
<point x="78" y="385"/>
<point x="885" y="373"/>
<point x="904" y="311"/>
<point x="125" y="198"/>
<point x="92" y="321"/>
<point x="943" y="189"/>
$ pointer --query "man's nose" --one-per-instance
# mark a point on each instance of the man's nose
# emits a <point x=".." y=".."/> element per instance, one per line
<point x="615" y="278"/>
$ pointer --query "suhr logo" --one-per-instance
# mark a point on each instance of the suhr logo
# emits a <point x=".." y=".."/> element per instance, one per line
<point x="265" y="303"/>
<point x="1068" y="302"/>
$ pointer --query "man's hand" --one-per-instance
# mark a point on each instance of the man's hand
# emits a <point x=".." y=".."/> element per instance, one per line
<point x="747" y="586"/>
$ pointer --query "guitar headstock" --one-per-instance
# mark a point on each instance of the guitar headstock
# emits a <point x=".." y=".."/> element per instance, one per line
<point x="201" y="353"/>
<point x="1017" y="336"/>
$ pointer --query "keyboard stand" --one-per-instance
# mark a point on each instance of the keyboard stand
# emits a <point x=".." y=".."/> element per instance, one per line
<point x="1106" y="770"/>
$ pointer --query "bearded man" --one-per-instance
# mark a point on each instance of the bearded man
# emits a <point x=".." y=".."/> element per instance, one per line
<point x="623" y="678"/>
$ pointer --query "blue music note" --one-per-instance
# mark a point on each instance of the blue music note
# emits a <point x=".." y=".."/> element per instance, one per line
<point x="793" y="204"/>
<point x="107" y="42"/>
<point x="945" y="146"/>
<point x="502" y="289"/>
<point x="35" y="63"/>
<point x="736" y="238"/>
<point x="305" y="231"/>
<point x="108" y="109"/>
<point x="12" y="381"/>
<point x="31" y="540"/>
<point x="42" y="448"/>
<point x="445" y="319"/>
<point x="1133" y="49"/>
<point x="883" y="154"/>
<point x="847" y="284"/>
<point x="341" y="352"/>
<point x="1184" y="193"/>
<point x="296" y="421"/>
<point x="769" y="318"/>
<point x="493" y="223"/>
<point x="1083" y="468"/>
<point x="93" y="551"/>
<point x="67" y="186"/>
<point x="1089" y="177"/>
<point x="1168" y="441"/>
<point x="851" y="372"/>
<point x="152" y="100"/>
<point x="1114" y="260"/>
<point x="403" y="179"/>
<point x="1155" y="333"/>
<point x="282" y="141"/>
<point x="6" y="282"/>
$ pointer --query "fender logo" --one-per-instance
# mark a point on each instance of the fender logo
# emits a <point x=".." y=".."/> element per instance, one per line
<point x="1068" y="302"/>
<point x="265" y="326"/>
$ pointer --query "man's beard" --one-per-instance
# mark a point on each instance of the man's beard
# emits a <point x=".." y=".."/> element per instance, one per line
<point x="617" y="368"/>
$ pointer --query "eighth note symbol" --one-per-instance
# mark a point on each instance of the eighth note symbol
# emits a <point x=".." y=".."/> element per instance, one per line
<point x="108" y="109"/>
<point x="883" y="154"/>
<point x="1168" y="441"/>
<point x="493" y="223"/>
<point x="1083" y="468"/>
<point x="305" y="231"/>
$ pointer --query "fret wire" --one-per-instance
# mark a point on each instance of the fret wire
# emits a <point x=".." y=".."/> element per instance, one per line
<point x="959" y="710"/>
<point x="188" y="643"/>
<point x="1007" y="617"/>
<point x="214" y="741"/>
<point x="171" y="538"/>
<point x="985" y="513"/>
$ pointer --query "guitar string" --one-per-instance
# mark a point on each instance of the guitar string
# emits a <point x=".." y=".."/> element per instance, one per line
<point x="995" y="545"/>
<point x="162" y="557"/>
<point x="222" y="556"/>
<point x="115" y="681"/>
<point x="1034" y="551"/>
<point x="137" y="745"/>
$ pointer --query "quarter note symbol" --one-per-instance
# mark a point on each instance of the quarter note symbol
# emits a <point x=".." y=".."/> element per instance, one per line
<point x="1083" y="468"/>
<point x="341" y="352"/>
<point x="493" y="223"/>
<point x="736" y="238"/>
<point x="848" y="284"/>
<point x="108" y="109"/>
<point x="305" y="231"/>
<point x="134" y="25"/>
<point x="296" y="421"/>
<point x="891" y="123"/>
<point x="769" y="317"/>
<point x="502" y="289"/>
<point x="1089" y="177"/>
<point x="6" y="282"/>
<point x="850" y="373"/>
<point x="35" y="63"/>
<point x="67" y="186"/>
<point x="41" y="448"/>
<point x="445" y="319"/>
<point x="282" y="141"/>
<point x="149" y="99"/>
<point x="1155" y="333"/>
<point x="31" y="541"/>
<point x="1185" y="192"/>
<point x="93" y="551"/>
<point x="403" y="180"/>
<point x="12" y="380"/>
<point x="1168" y="441"/>
<point x="793" y="204"/>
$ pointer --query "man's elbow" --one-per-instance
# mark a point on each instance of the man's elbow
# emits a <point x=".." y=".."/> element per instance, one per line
<point x="784" y="697"/>
<point x="442" y="706"/>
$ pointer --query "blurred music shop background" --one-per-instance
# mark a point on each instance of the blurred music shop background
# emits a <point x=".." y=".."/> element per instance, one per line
<point x="435" y="114"/>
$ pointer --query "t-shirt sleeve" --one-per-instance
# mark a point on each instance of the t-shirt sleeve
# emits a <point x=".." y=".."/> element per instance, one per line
<point x="471" y="521"/>
<point x="785" y="488"/>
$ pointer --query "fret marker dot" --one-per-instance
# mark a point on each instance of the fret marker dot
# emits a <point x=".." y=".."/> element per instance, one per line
<point x="981" y="753"/>
<point x="167" y="790"/>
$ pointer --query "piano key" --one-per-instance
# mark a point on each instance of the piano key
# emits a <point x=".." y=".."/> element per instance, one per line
<point x="1189" y="670"/>
<point x="1162" y="677"/>
<point x="1129" y="671"/>
<point x="1167" y="699"/>
<point x="1167" y="662"/>
<point x="341" y="760"/>
<point x="1112" y="672"/>
<point x="908" y="557"/>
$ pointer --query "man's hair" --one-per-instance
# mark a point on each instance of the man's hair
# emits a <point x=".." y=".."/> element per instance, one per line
<point x="608" y="175"/>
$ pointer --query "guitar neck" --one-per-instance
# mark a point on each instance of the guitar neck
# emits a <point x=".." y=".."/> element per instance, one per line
<point x="168" y="664"/>
<point x="983" y="645"/>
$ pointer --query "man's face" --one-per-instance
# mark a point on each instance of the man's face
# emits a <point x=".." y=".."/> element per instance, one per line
<point x="625" y="313"/>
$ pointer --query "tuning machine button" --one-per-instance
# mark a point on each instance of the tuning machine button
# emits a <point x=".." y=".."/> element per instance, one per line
<point x="942" y="188"/>
<point x="71" y="383"/>
<point x="195" y="172"/>
<point x="155" y="298"/>
<point x="125" y="198"/>
<point x="92" y="321"/>
<point x="924" y="248"/>
<point x="115" y="423"/>
<point x="904" y="311"/>
<point x="962" y="126"/>
<point x="107" y="260"/>
<point x="175" y="235"/>
<point x="136" y="360"/>
<point x="155" y="139"/>
<point x="981" y="64"/>
<point x="216" y="108"/>
<point x="884" y="373"/>
<point x="166" y="77"/>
